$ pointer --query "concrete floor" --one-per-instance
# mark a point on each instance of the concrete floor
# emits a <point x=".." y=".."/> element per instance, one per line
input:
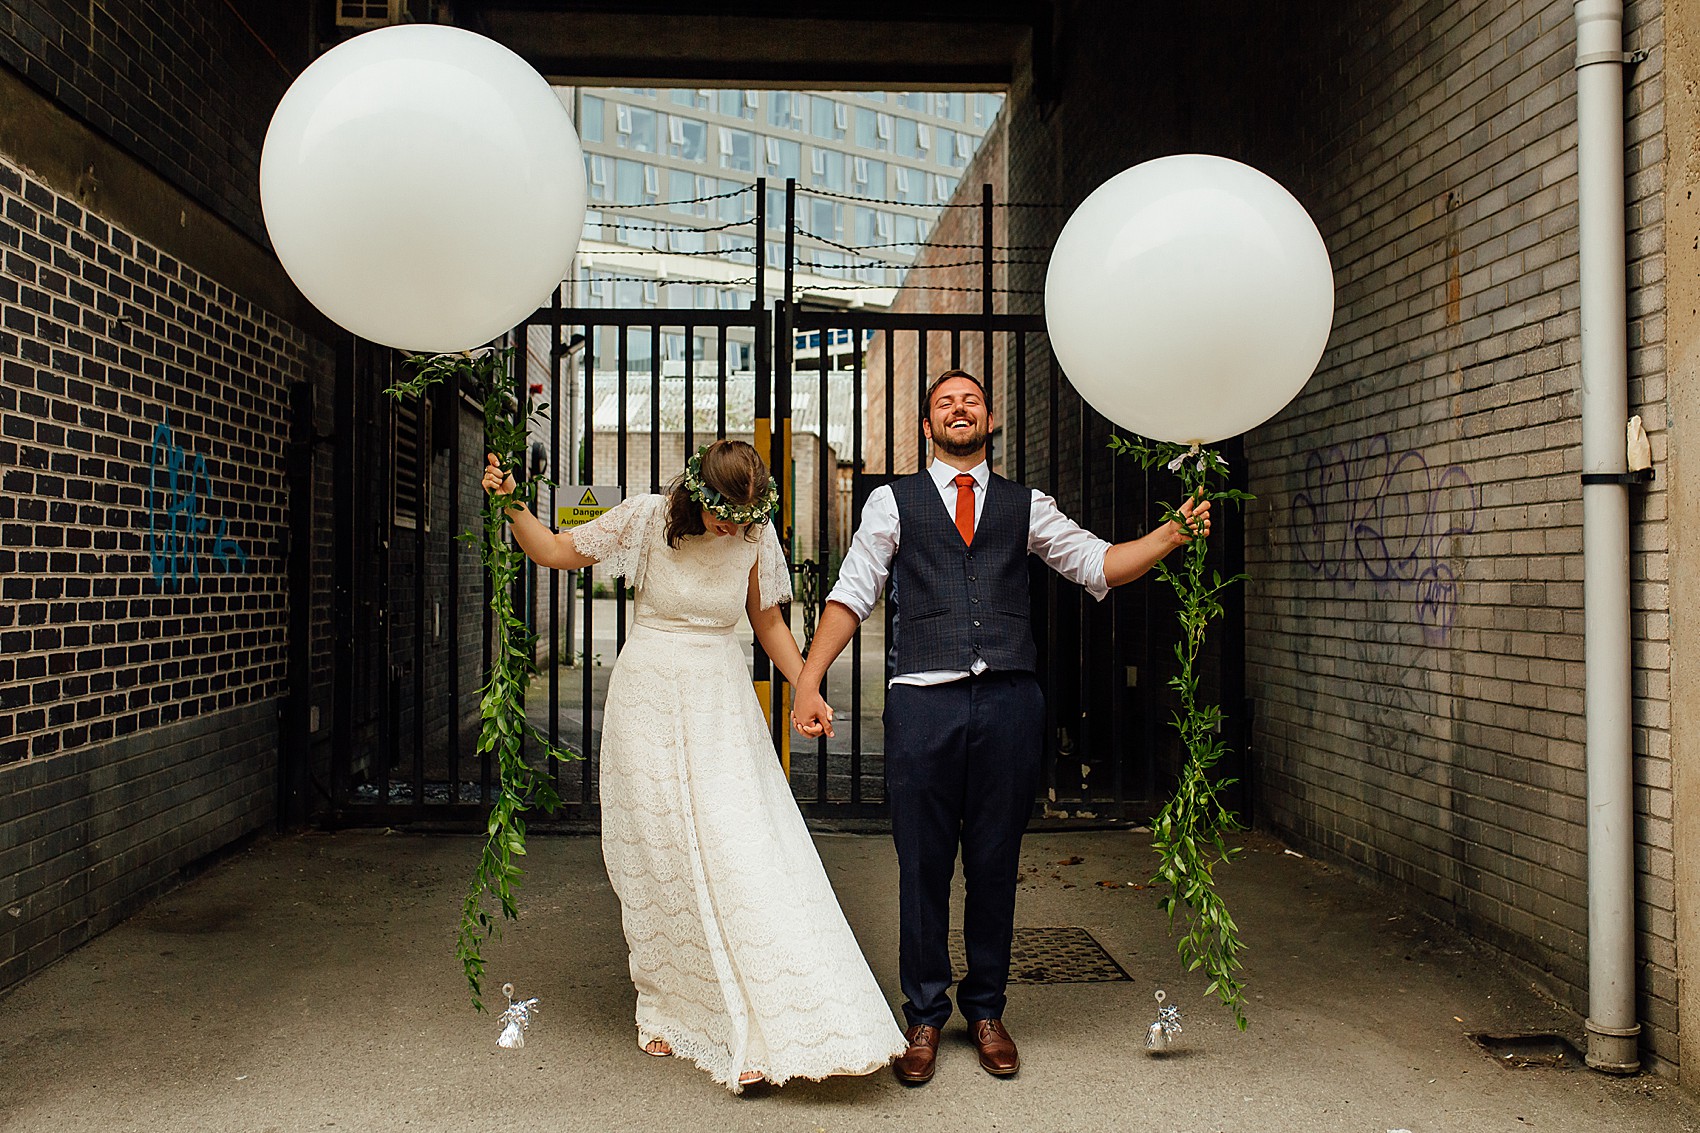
<point x="309" y="983"/>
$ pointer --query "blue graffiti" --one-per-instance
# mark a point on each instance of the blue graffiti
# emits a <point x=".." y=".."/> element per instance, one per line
<point x="178" y="488"/>
<point x="1366" y="511"/>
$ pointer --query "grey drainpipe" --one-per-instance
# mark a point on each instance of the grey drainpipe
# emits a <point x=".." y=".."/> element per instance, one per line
<point x="1612" y="1030"/>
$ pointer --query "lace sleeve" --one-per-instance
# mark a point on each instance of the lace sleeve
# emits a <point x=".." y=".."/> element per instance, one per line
<point x="772" y="571"/>
<point x="619" y="538"/>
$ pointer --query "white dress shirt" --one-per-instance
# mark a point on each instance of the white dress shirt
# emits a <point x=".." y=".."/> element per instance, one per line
<point x="1062" y="544"/>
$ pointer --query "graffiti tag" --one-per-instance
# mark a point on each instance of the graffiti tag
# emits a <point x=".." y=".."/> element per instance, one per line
<point x="179" y="534"/>
<point x="1369" y="514"/>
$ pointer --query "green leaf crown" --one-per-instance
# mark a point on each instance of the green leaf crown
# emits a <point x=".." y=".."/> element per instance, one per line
<point x="759" y="512"/>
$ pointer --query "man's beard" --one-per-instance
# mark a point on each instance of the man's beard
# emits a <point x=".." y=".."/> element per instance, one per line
<point x="951" y="444"/>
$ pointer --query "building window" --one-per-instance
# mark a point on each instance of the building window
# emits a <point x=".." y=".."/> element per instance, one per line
<point x="784" y="158"/>
<point x="737" y="150"/>
<point x="596" y="175"/>
<point x="636" y="127"/>
<point x="737" y="103"/>
<point x="687" y="138"/>
<point x="785" y="109"/>
<point x="868" y="134"/>
<point x="590" y="124"/>
<point x="826" y="118"/>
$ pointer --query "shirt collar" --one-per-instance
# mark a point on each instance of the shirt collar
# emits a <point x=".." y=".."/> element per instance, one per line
<point x="944" y="473"/>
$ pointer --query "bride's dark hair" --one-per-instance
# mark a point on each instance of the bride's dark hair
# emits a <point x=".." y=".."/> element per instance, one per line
<point x="732" y="468"/>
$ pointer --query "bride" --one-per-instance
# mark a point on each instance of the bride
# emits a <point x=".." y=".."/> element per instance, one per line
<point x="741" y="958"/>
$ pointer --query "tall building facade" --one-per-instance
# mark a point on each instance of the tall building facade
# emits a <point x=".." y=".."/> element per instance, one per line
<point x="672" y="179"/>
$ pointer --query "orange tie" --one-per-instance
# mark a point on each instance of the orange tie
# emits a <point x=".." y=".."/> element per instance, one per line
<point x="965" y="506"/>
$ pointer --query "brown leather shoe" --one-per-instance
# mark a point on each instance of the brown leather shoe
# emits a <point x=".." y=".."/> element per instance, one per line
<point x="915" y="1065"/>
<point x="997" y="1050"/>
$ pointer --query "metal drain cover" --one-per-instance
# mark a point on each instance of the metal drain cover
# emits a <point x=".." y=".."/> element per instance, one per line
<point x="1526" y="1050"/>
<point x="1049" y="956"/>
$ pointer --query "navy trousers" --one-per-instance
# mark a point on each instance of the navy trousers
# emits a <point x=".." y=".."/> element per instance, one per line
<point x="962" y="764"/>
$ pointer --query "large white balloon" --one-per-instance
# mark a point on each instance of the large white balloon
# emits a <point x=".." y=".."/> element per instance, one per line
<point x="423" y="186"/>
<point x="1189" y="298"/>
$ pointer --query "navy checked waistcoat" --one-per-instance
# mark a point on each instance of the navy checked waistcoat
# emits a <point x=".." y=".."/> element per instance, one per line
<point x="957" y="604"/>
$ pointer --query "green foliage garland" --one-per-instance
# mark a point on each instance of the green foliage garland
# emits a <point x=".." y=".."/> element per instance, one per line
<point x="1190" y="834"/>
<point x="503" y="726"/>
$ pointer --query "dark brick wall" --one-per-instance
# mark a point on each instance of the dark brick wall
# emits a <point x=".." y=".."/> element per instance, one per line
<point x="94" y="833"/>
<point x="143" y="526"/>
<point x="183" y="85"/>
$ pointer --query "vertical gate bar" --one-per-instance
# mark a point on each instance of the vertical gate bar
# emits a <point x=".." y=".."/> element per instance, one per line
<point x="1148" y="720"/>
<point x="790" y="237"/>
<point x="779" y="466"/>
<point x="1021" y="406"/>
<point x="1051" y="660"/>
<point x="454" y="603"/>
<point x="787" y="344"/>
<point x="720" y="399"/>
<point x="550" y="522"/>
<point x="761" y="254"/>
<point x="587" y="469"/>
<point x="956" y="351"/>
<point x="655" y="408"/>
<point x="621" y="446"/>
<point x="422" y="457"/>
<point x="1083" y="622"/>
<point x="823" y="473"/>
<point x="522" y="581"/>
<point x="489" y="657"/>
<point x="987" y="306"/>
<point x="1118" y="688"/>
<point x="690" y="390"/>
<point x="383" y="459"/>
<point x="342" y="566"/>
<point x="856" y="463"/>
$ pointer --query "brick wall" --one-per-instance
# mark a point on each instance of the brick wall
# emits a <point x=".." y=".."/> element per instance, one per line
<point x="1420" y="528"/>
<point x="1413" y="623"/>
<point x="143" y="413"/>
<point x="95" y="832"/>
<point x="184" y="85"/>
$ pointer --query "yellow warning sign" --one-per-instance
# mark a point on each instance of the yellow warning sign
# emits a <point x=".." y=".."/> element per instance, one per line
<point x="593" y="500"/>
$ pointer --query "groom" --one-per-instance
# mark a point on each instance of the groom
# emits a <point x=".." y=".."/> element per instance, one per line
<point x="964" y="716"/>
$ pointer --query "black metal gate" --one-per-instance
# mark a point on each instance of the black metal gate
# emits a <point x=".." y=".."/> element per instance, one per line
<point x="632" y="392"/>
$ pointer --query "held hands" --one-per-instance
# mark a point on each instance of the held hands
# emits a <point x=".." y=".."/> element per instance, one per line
<point x="811" y="715"/>
<point x="495" y="479"/>
<point x="1196" y="516"/>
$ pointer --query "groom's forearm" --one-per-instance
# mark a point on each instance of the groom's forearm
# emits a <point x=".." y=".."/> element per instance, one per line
<point x="837" y="626"/>
<point x="1125" y="562"/>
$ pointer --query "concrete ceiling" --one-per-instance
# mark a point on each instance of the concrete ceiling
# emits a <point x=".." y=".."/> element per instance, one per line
<point x="873" y="44"/>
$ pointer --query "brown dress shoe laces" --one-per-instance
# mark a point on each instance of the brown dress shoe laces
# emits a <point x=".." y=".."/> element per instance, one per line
<point x="998" y="1055"/>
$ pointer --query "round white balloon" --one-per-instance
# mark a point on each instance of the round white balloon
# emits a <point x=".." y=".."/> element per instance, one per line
<point x="1189" y="298"/>
<point x="423" y="186"/>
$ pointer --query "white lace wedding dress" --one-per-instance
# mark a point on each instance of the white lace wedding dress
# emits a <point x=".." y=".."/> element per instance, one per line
<point x="740" y="954"/>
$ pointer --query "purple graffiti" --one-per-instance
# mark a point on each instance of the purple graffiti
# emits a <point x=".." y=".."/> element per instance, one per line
<point x="1368" y="513"/>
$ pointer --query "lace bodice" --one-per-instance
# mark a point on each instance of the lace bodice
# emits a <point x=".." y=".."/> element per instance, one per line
<point x="700" y="585"/>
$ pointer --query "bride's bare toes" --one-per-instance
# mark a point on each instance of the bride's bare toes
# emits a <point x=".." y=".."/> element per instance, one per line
<point x="658" y="1047"/>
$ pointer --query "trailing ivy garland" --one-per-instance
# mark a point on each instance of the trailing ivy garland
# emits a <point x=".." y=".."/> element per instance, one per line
<point x="503" y="726"/>
<point x="1190" y="834"/>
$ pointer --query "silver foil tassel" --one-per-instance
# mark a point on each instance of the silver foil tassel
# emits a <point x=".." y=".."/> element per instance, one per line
<point x="515" y="1019"/>
<point x="1161" y="1034"/>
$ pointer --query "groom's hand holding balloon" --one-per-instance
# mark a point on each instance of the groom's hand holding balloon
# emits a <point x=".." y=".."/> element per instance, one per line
<point x="1194" y="521"/>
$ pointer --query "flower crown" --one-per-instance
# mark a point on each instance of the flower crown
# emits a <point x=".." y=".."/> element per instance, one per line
<point x="758" y="512"/>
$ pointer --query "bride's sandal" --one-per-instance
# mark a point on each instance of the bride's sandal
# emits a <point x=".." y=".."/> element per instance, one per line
<point x="751" y="1078"/>
<point x="658" y="1048"/>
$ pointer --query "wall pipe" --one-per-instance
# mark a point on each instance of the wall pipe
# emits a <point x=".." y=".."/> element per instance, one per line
<point x="1613" y="1032"/>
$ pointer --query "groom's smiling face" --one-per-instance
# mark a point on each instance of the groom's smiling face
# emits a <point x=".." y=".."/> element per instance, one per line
<point x="957" y="417"/>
